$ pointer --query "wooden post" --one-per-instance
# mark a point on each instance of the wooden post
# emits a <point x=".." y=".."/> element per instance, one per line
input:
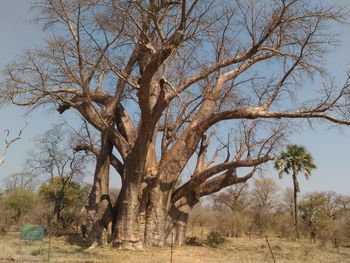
<point x="273" y="257"/>
<point x="171" y="247"/>
<point x="48" y="254"/>
<point x="20" y="245"/>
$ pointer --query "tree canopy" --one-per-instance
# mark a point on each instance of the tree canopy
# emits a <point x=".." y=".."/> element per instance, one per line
<point x="296" y="159"/>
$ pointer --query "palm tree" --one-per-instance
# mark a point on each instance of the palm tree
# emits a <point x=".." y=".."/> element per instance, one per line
<point x="294" y="161"/>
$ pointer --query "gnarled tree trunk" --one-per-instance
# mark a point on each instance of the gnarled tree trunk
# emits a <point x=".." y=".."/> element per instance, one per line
<point x="99" y="208"/>
<point x="155" y="218"/>
<point x="127" y="228"/>
<point x="178" y="218"/>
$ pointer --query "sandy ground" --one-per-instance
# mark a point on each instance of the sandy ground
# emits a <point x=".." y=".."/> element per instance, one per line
<point x="71" y="249"/>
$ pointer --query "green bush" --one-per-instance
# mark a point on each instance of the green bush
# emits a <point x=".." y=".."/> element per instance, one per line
<point x="215" y="239"/>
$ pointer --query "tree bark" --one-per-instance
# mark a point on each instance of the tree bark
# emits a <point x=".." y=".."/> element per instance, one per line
<point x="140" y="194"/>
<point x="99" y="209"/>
<point x="132" y="204"/>
<point x="127" y="228"/>
<point x="178" y="217"/>
<point x="155" y="218"/>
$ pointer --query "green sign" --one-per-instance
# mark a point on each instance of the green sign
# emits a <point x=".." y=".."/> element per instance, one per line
<point x="32" y="232"/>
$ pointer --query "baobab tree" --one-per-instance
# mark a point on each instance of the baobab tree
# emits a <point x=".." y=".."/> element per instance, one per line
<point x="157" y="78"/>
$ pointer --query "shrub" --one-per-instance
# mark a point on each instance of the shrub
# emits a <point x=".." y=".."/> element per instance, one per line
<point x="37" y="252"/>
<point x="193" y="241"/>
<point x="215" y="239"/>
<point x="2" y="231"/>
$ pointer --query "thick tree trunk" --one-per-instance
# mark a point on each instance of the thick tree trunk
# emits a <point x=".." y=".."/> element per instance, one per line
<point x="139" y="218"/>
<point x="140" y="199"/>
<point x="127" y="227"/>
<point x="130" y="210"/>
<point x="99" y="209"/>
<point x="155" y="218"/>
<point x="178" y="218"/>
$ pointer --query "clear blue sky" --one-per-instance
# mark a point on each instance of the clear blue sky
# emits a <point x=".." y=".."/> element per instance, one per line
<point x="330" y="148"/>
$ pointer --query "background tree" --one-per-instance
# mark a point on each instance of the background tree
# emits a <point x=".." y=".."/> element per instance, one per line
<point x="287" y="207"/>
<point x="313" y="209"/>
<point x="288" y="201"/>
<point x="18" y="198"/>
<point x="343" y="201"/>
<point x="263" y="201"/>
<point x="64" y="194"/>
<point x="234" y="201"/>
<point x="296" y="159"/>
<point x="55" y="159"/>
<point x="19" y="202"/>
<point x="23" y="180"/>
<point x="154" y="77"/>
<point x="346" y="228"/>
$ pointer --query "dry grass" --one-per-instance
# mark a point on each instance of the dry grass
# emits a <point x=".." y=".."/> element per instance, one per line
<point x="69" y="249"/>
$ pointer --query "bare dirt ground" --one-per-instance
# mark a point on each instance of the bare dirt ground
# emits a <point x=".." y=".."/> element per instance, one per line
<point x="70" y="249"/>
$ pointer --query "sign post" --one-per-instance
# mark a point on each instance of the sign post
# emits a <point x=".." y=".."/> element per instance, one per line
<point x="48" y="254"/>
<point x="32" y="233"/>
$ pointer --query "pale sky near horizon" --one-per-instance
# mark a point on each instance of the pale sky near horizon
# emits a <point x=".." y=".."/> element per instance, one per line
<point x="330" y="148"/>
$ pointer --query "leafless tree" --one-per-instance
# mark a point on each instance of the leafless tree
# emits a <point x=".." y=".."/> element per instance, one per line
<point x="263" y="201"/>
<point x="343" y="201"/>
<point x="21" y="180"/>
<point x="288" y="201"/>
<point x="154" y="77"/>
<point x="235" y="197"/>
<point x="332" y="203"/>
<point x="235" y="200"/>
<point x="53" y="160"/>
<point x="8" y="143"/>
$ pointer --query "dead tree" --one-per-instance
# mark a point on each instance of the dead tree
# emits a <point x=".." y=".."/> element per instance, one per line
<point x="8" y="143"/>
